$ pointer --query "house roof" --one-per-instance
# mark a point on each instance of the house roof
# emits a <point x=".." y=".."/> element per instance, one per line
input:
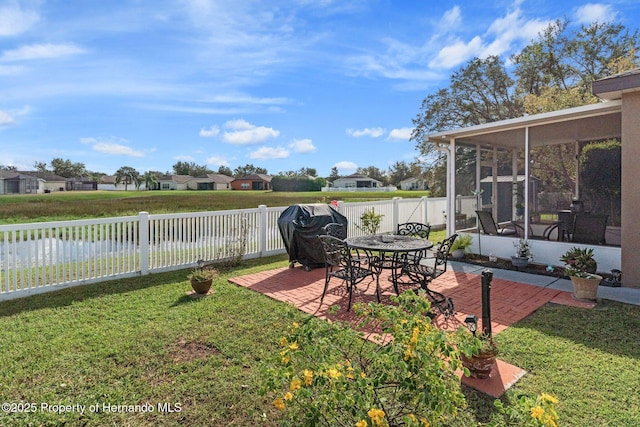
<point x="612" y="87"/>
<point x="178" y="179"/>
<point x="219" y="178"/>
<point x="585" y="123"/>
<point x="45" y="176"/>
<point x="255" y="177"/>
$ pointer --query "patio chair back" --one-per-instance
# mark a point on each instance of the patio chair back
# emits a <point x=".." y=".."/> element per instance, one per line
<point x="414" y="229"/>
<point x="589" y="229"/>
<point x="489" y="225"/>
<point x="336" y="230"/>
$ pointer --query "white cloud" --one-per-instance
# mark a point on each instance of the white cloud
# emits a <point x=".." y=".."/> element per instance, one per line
<point x="112" y="148"/>
<point x="456" y="53"/>
<point x="244" y="133"/>
<point x="265" y="153"/>
<point x="372" y="132"/>
<point x="401" y="133"/>
<point x="41" y="51"/>
<point x="217" y="161"/>
<point x="7" y="70"/>
<point x="499" y="39"/>
<point x="213" y="131"/>
<point x="346" y="167"/>
<point x="116" y="149"/>
<point x="302" y="146"/>
<point x="6" y="119"/>
<point x="451" y="18"/>
<point x="14" y="20"/>
<point x="595" y="12"/>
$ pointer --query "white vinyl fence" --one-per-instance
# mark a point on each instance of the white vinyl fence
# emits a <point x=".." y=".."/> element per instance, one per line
<point x="42" y="257"/>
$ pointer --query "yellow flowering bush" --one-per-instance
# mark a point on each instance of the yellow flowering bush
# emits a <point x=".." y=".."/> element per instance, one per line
<point x="402" y="374"/>
<point x="527" y="412"/>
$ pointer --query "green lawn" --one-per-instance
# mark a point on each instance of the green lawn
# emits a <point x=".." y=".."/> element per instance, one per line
<point x="143" y="341"/>
<point x="99" y="204"/>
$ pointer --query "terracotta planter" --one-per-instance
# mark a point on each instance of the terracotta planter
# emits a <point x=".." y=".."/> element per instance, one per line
<point x="480" y="365"/>
<point x="584" y="288"/>
<point x="201" y="287"/>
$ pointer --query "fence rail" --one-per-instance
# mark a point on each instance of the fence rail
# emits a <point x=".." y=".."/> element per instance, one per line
<point x="42" y="257"/>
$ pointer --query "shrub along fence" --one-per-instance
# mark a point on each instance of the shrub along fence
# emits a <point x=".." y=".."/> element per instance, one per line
<point x="42" y="257"/>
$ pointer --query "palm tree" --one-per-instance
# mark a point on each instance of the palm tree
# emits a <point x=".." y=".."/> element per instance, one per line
<point x="150" y="180"/>
<point x="127" y="175"/>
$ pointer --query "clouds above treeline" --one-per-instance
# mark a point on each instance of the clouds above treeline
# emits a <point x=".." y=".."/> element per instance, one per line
<point x="227" y="82"/>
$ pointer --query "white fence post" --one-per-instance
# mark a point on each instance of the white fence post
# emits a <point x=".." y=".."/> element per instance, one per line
<point x="262" y="229"/>
<point x="425" y="209"/>
<point x="143" y="226"/>
<point x="396" y="213"/>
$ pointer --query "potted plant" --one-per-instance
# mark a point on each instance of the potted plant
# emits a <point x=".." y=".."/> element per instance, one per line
<point x="523" y="253"/>
<point x="461" y="245"/>
<point x="477" y="352"/>
<point x="581" y="266"/>
<point x="201" y="278"/>
<point x="370" y="221"/>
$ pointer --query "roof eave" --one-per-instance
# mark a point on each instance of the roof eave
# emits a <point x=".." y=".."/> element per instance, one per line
<point x="527" y="121"/>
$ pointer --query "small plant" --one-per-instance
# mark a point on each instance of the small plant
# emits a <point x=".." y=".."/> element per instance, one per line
<point x="202" y="273"/>
<point x="579" y="262"/>
<point x="370" y="221"/>
<point x="463" y="242"/>
<point x="523" y="248"/>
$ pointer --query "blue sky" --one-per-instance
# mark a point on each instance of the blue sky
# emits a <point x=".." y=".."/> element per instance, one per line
<point x="277" y="84"/>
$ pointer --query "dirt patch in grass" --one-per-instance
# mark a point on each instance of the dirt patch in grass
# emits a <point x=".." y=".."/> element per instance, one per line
<point x="187" y="351"/>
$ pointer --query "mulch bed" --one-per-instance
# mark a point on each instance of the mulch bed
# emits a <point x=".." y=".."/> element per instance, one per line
<point x="505" y="264"/>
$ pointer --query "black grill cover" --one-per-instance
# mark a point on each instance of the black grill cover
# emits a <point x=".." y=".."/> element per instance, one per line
<point x="300" y="226"/>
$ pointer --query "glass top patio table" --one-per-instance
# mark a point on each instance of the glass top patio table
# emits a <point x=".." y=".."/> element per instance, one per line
<point x="392" y="249"/>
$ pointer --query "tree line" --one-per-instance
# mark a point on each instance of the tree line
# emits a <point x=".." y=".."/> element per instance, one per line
<point x="553" y="72"/>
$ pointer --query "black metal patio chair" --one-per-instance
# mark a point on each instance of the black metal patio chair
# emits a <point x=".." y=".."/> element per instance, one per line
<point x="340" y="263"/>
<point x="415" y="229"/>
<point x="425" y="273"/>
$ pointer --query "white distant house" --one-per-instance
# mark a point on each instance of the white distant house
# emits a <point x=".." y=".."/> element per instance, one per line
<point x="414" y="184"/>
<point x="356" y="181"/>
<point x="213" y="181"/>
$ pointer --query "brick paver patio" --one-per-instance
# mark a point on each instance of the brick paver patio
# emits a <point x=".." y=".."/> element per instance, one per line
<point x="510" y="302"/>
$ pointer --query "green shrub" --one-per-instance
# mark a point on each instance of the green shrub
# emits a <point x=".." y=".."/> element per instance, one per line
<point x="325" y="375"/>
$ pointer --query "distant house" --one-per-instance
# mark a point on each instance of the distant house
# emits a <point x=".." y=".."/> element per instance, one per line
<point x="13" y="182"/>
<point x="174" y="182"/>
<point x="108" y="183"/>
<point x="414" y="184"/>
<point x="212" y="181"/>
<point x="49" y="182"/>
<point x="356" y="181"/>
<point x="81" y="183"/>
<point x="257" y="181"/>
<point x="221" y="181"/>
